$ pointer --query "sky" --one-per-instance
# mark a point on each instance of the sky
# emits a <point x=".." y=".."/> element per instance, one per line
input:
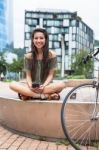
<point x="88" y="10"/>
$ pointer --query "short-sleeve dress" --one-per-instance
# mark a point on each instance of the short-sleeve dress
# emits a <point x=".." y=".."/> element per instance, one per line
<point x="37" y="74"/>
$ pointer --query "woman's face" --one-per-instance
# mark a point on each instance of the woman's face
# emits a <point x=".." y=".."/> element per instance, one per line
<point x="39" y="40"/>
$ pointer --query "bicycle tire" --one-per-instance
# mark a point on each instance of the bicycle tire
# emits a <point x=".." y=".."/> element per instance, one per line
<point x="76" y="116"/>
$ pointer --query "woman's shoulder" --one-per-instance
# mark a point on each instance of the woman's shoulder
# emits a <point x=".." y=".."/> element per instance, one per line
<point x="28" y="55"/>
<point x="52" y="54"/>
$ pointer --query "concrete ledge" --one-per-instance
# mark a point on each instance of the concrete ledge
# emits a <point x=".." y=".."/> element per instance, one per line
<point x="35" y="117"/>
<point x="76" y="82"/>
<point x="40" y="118"/>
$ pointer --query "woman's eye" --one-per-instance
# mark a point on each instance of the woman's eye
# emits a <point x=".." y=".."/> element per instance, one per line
<point x="38" y="38"/>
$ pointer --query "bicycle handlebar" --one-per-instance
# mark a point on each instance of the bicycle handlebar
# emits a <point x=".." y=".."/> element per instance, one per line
<point x="96" y="52"/>
<point x="89" y="56"/>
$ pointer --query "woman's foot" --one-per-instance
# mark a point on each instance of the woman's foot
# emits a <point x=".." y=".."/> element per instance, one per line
<point x="54" y="96"/>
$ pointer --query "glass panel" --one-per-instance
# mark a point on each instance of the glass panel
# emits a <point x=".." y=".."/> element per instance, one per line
<point x="74" y="30"/>
<point x="50" y="44"/>
<point x="56" y="44"/>
<point x="58" y="51"/>
<point x="28" y="15"/>
<point x="74" y="37"/>
<point x="66" y="37"/>
<point x="65" y="22"/>
<point x="27" y="36"/>
<point x="73" y="23"/>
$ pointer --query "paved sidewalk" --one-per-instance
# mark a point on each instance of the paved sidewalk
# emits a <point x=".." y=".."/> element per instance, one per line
<point x="13" y="141"/>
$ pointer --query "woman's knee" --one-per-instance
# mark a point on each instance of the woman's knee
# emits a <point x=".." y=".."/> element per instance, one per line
<point x="12" y="85"/>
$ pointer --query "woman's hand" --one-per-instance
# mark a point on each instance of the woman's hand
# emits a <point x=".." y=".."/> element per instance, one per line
<point x="38" y="89"/>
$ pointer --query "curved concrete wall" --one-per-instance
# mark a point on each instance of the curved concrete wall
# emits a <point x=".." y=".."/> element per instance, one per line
<point x="42" y="117"/>
<point x="37" y="117"/>
<point x="34" y="117"/>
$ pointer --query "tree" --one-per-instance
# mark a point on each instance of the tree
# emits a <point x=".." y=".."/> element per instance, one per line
<point x="17" y="65"/>
<point x="79" y="67"/>
<point x="2" y="65"/>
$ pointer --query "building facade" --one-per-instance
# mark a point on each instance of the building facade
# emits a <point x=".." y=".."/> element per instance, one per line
<point x="3" y="27"/>
<point x="6" y="25"/>
<point x="66" y="31"/>
<point x="9" y="18"/>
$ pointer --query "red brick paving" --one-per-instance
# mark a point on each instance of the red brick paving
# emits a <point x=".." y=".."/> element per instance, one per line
<point x="12" y="141"/>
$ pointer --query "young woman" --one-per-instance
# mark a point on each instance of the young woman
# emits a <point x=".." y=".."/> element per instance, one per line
<point x="40" y="64"/>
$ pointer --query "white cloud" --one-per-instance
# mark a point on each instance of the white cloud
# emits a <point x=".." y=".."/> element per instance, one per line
<point x="87" y="10"/>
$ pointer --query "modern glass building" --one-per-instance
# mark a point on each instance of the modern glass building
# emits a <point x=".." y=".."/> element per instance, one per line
<point x="6" y="24"/>
<point x="3" y="31"/>
<point x="66" y="30"/>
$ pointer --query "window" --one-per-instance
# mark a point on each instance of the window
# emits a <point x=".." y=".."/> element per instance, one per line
<point x="66" y="37"/>
<point x="65" y="30"/>
<point x="65" y="22"/>
<point x="50" y="23"/>
<point x="56" y="44"/>
<point x="31" y="22"/>
<point x="73" y="50"/>
<point x="50" y="37"/>
<point x="27" y="29"/>
<point x="73" y="44"/>
<point x="57" y="23"/>
<point x="27" y="36"/>
<point x="58" y="51"/>
<point x="80" y="25"/>
<point x="74" y="37"/>
<point x="73" y="29"/>
<point x="34" y="15"/>
<point x="27" y="43"/>
<point x="59" y="59"/>
<point x="55" y="37"/>
<point x="28" y="14"/>
<point x="73" y="22"/>
<point x="50" y="44"/>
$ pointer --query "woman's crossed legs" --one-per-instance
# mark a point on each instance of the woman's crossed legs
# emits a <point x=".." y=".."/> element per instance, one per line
<point x="51" y="91"/>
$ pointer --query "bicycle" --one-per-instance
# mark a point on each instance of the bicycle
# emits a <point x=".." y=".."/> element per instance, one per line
<point x="80" y="113"/>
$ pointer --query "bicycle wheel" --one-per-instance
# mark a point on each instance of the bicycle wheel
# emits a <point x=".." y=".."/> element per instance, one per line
<point x="80" y="116"/>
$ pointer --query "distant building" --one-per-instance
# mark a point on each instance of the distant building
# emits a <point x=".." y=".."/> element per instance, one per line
<point x="6" y="25"/>
<point x="9" y="17"/>
<point x="3" y="24"/>
<point x="65" y="29"/>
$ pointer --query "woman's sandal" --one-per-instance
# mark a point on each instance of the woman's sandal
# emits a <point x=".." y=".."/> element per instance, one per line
<point x="54" y="96"/>
<point x="23" y="97"/>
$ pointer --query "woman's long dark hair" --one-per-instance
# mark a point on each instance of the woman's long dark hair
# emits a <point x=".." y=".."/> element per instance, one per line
<point x="45" y="51"/>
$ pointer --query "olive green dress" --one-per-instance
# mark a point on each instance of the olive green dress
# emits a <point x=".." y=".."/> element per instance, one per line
<point x="37" y="74"/>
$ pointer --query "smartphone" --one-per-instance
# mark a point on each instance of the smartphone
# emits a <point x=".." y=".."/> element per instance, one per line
<point x="35" y="84"/>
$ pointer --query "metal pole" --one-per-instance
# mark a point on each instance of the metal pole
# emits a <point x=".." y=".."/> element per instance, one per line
<point x="63" y="56"/>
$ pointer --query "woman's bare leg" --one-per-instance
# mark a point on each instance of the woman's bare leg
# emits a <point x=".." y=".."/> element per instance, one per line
<point x="54" y="87"/>
<point x="23" y="89"/>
